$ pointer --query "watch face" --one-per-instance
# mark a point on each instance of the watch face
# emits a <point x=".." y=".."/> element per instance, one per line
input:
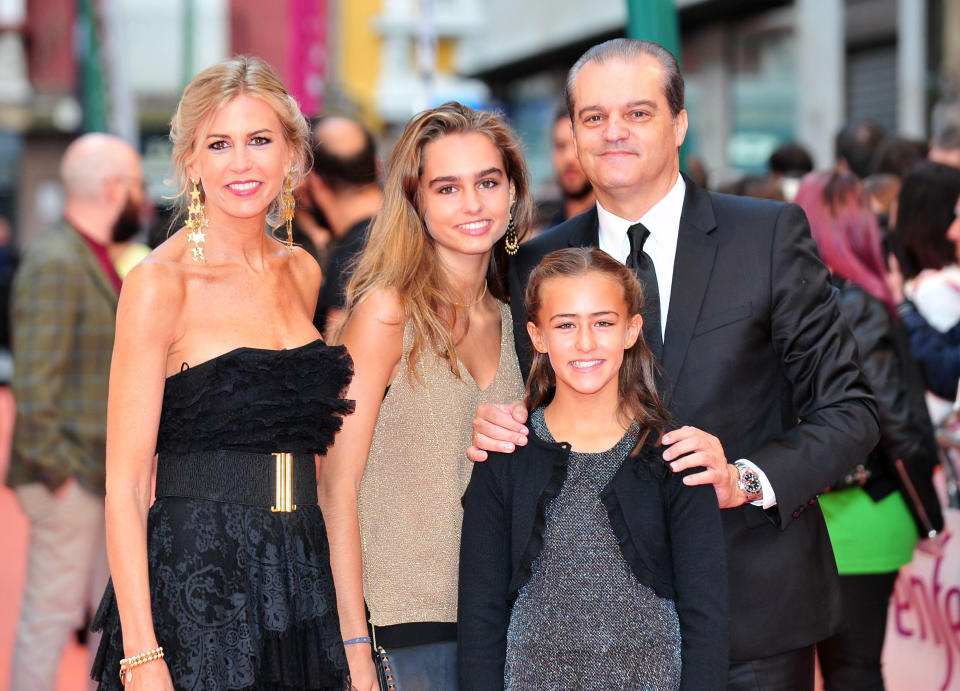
<point x="751" y="483"/>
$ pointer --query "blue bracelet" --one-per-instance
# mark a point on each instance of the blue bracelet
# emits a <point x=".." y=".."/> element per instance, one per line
<point x="361" y="639"/>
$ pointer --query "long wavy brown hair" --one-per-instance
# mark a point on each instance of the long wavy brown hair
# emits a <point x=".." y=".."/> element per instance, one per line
<point x="400" y="253"/>
<point x="639" y="402"/>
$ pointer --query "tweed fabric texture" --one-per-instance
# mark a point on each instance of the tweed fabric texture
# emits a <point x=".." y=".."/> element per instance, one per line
<point x="63" y="314"/>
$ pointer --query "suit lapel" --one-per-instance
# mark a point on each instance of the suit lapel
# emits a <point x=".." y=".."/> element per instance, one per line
<point x="92" y="266"/>
<point x="587" y="231"/>
<point x="696" y="250"/>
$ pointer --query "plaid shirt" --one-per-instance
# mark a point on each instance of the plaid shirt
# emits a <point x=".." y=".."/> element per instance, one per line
<point x="64" y="309"/>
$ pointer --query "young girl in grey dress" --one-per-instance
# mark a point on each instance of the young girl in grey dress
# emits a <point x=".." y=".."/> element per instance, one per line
<point x="584" y="562"/>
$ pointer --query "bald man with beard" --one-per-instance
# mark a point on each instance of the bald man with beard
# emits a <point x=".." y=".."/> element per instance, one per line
<point x="64" y="304"/>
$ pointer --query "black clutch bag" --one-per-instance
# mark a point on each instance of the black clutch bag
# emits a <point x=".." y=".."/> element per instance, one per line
<point x="385" y="677"/>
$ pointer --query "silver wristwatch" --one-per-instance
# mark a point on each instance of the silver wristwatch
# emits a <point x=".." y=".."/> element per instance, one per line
<point x="749" y="481"/>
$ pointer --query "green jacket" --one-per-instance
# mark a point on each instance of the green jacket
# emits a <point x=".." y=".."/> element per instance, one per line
<point x="63" y="313"/>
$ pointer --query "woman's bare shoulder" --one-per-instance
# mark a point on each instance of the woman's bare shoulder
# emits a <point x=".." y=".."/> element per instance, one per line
<point x="304" y="268"/>
<point x="384" y="305"/>
<point x="174" y="256"/>
<point x="159" y="279"/>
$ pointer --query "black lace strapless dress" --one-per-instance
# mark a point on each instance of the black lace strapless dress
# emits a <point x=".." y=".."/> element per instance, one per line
<point x="242" y="597"/>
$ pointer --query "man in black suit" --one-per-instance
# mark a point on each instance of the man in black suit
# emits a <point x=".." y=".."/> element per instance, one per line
<point x="754" y="357"/>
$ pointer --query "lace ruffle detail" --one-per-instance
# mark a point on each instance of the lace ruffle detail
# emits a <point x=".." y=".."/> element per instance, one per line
<point x="242" y="599"/>
<point x="258" y="400"/>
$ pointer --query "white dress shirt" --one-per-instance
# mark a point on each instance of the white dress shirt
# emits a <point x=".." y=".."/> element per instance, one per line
<point x="663" y="222"/>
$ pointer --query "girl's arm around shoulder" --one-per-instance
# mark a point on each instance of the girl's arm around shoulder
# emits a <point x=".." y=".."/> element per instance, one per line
<point x="700" y="582"/>
<point x="483" y="612"/>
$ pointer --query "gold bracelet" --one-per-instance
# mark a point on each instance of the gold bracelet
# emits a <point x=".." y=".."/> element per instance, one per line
<point x="128" y="663"/>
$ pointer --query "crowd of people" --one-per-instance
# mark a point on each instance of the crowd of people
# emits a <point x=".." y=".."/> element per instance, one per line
<point x="650" y="437"/>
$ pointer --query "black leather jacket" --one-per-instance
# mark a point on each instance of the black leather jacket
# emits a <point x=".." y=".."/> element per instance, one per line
<point x="906" y="454"/>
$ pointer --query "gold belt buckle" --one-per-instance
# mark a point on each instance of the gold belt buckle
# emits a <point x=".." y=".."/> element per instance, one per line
<point x="284" y="484"/>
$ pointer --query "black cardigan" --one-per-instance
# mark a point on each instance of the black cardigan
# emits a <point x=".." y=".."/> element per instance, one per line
<point x="670" y="536"/>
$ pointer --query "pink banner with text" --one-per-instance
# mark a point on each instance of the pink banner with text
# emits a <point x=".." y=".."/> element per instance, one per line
<point x="922" y="648"/>
<point x="307" y="49"/>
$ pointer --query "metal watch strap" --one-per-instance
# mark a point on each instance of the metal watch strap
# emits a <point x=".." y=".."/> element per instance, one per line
<point x="749" y="481"/>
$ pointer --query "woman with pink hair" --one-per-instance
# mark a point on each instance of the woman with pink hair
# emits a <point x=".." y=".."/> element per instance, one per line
<point x="875" y="512"/>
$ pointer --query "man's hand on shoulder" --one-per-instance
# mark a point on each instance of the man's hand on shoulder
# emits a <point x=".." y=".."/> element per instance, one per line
<point x="689" y="447"/>
<point x="497" y="427"/>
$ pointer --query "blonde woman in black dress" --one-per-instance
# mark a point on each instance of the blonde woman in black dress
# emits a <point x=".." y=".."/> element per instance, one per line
<point x="225" y="581"/>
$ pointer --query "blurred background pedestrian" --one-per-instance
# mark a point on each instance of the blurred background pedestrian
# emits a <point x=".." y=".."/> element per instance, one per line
<point x="64" y="306"/>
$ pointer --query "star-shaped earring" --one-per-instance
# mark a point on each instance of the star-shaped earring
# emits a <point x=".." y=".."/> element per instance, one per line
<point x="196" y="222"/>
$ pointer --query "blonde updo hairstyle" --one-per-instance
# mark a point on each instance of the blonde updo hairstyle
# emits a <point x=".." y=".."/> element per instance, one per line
<point x="211" y="90"/>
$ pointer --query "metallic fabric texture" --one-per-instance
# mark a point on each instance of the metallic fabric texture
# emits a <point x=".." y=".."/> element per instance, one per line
<point x="583" y="620"/>
<point x="417" y="471"/>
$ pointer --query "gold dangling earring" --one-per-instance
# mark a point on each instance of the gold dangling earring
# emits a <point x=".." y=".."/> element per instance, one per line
<point x="510" y="242"/>
<point x="196" y="222"/>
<point x="287" y="206"/>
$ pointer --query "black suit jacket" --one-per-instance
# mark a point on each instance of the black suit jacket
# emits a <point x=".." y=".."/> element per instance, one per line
<point x="756" y="354"/>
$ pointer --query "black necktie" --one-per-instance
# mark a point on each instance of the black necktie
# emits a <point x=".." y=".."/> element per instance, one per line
<point x="643" y="266"/>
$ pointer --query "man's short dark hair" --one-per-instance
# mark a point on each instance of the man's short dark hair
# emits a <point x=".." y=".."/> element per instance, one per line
<point x="895" y="155"/>
<point x="790" y="159"/>
<point x="857" y="144"/>
<point x="948" y="137"/>
<point x="338" y="171"/>
<point x="630" y="49"/>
